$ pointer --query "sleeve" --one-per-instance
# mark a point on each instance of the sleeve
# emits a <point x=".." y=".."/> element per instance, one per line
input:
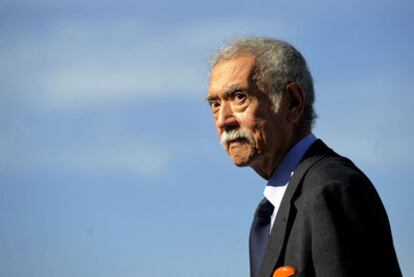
<point x="350" y="232"/>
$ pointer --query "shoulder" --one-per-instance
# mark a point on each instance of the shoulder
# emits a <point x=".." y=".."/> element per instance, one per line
<point x="335" y="183"/>
<point x="335" y="168"/>
<point x="334" y="179"/>
<point x="331" y="168"/>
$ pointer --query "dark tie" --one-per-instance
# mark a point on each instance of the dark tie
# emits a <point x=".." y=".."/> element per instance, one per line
<point x="259" y="233"/>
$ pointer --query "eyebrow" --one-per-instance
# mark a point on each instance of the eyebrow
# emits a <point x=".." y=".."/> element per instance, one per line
<point x="232" y="89"/>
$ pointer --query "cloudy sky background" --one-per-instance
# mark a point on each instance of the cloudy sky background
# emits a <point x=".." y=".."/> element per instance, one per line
<point x="109" y="160"/>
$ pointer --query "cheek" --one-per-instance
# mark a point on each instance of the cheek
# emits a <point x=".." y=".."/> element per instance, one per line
<point x="263" y="135"/>
<point x="253" y="120"/>
<point x="258" y="126"/>
<point x="248" y="121"/>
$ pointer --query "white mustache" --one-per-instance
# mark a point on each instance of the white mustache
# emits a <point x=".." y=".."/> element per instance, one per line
<point x="239" y="133"/>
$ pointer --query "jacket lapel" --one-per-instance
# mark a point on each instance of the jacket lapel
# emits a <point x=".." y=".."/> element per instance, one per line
<point x="284" y="215"/>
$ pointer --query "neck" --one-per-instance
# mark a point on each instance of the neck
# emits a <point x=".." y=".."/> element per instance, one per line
<point x="265" y="166"/>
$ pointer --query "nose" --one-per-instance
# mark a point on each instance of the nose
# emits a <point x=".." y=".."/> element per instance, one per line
<point x="225" y="116"/>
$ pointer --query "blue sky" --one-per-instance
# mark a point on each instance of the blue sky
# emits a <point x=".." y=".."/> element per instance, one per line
<point x="109" y="160"/>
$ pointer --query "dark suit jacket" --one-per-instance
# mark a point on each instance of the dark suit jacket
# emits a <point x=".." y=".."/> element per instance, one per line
<point x="331" y="222"/>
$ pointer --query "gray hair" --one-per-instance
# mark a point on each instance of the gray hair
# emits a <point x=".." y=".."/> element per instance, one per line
<point x="277" y="64"/>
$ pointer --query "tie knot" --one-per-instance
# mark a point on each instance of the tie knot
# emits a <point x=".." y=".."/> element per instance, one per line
<point x="265" y="209"/>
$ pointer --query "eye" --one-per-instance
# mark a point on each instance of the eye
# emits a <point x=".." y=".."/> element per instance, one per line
<point x="214" y="104"/>
<point x="239" y="97"/>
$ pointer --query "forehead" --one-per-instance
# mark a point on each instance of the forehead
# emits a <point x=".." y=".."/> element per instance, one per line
<point x="230" y="73"/>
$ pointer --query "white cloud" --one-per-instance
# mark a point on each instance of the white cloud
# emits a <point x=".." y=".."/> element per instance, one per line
<point x="140" y="157"/>
<point x="88" y="86"/>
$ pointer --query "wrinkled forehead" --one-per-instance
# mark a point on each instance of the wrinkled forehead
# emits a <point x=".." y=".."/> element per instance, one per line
<point x="231" y="73"/>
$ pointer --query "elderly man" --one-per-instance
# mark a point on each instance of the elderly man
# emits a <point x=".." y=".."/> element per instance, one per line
<point x="320" y="215"/>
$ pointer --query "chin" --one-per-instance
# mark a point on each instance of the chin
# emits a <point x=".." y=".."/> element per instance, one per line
<point x="242" y="155"/>
<point x="243" y="160"/>
<point x="240" y="164"/>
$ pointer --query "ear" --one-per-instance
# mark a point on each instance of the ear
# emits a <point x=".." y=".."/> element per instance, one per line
<point x="296" y="102"/>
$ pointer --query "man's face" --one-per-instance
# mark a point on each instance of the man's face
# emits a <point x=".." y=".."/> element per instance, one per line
<point x="250" y="131"/>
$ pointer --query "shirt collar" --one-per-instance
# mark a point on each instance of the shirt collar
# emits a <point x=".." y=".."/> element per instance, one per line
<point x="290" y="161"/>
